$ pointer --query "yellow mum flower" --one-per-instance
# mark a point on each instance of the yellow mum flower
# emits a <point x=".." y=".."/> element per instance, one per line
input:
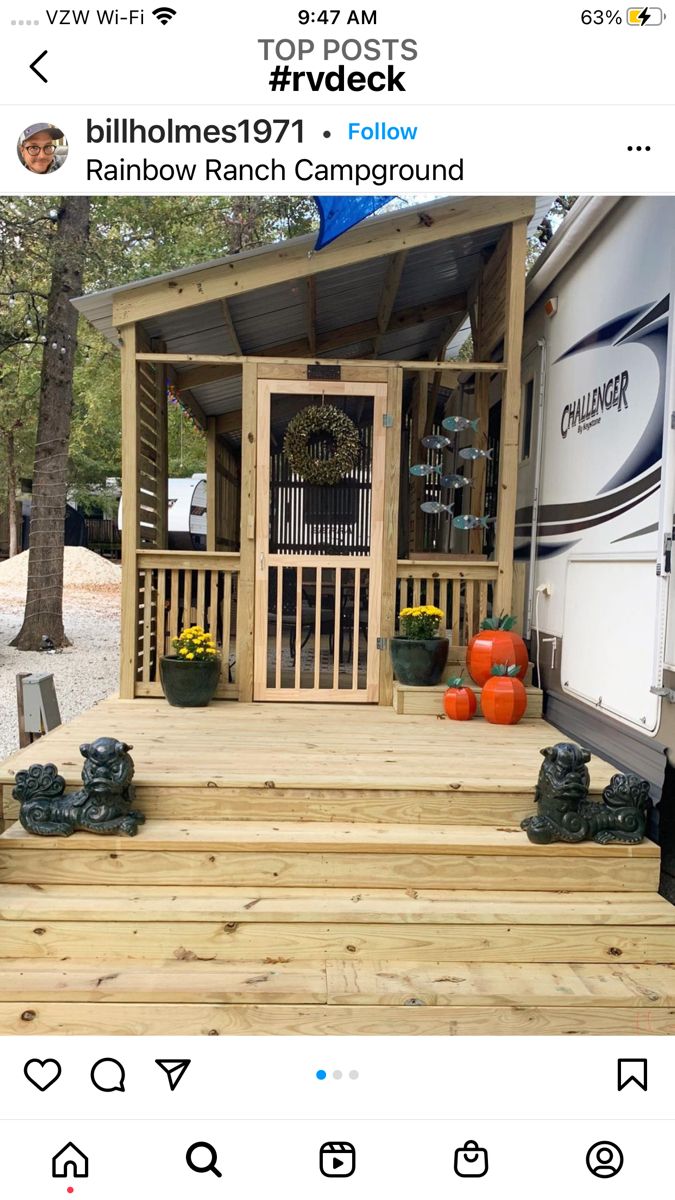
<point x="190" y="655"/>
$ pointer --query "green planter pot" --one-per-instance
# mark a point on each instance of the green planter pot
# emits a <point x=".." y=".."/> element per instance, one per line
<point x="189" y="684"/>
<point x="420" y="663"/>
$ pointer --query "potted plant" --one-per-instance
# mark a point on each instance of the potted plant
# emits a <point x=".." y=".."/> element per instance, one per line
<point x="418" y="655"/>
<point x="459" y="701"/>
<point x="503" y="699"/>
<point x="190" y="676"/>
<point x="496" y="643"/>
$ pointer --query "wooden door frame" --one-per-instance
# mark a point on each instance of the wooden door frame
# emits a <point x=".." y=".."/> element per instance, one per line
<point x="379" y="391"/>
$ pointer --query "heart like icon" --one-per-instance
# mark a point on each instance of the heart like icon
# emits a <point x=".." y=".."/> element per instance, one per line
<point x="42" y="1073"/>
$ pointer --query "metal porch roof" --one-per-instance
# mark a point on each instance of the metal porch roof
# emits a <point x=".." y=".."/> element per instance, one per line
<point x="346" y="296"/>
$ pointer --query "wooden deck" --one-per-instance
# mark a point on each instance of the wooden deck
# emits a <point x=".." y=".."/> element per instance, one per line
<point x="326" y="869"/>
<point x="306" y="746"/>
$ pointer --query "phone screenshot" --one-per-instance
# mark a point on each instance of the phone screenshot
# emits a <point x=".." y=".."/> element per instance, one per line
<point x="337" y="635"/>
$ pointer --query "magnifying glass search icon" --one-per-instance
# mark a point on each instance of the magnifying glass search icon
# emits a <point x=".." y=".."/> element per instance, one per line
<point x="208" y="1162"/>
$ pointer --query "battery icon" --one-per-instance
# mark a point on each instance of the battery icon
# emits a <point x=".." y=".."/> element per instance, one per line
<point x="644" y="16"/>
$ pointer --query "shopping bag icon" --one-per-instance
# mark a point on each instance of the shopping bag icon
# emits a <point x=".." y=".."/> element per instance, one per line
<point x="471" y="1160"/>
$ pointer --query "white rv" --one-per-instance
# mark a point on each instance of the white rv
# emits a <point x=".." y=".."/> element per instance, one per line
<point x="596" y="480"/>
<point x="186" y="500"/>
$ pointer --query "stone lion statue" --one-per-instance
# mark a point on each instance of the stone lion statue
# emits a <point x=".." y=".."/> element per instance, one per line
<point x="103" y="804"/>
<point x="564" y="812"/>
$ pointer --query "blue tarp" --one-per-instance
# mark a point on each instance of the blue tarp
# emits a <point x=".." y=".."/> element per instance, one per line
<point x="340" y="213"/>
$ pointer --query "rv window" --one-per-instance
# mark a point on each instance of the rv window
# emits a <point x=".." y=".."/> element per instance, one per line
<point x="528" y="405"/>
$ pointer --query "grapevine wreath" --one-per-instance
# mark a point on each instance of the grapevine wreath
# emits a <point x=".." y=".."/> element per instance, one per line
<point x="324" y="419"/>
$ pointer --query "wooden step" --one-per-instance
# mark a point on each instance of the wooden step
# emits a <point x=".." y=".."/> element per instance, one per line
<point x="64" y="902"/>
<point x="310" y="854"/>
<point x="335" y="997"/>
<point x="206" y="924"/>
<point x="455" y="804"/>
<point x="428" y="701"/>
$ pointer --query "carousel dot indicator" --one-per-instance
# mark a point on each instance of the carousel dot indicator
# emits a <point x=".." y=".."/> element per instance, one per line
<point x="321" y="1074"/>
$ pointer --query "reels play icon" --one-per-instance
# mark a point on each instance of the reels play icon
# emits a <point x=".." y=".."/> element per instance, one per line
<point x="337" y="1159"/>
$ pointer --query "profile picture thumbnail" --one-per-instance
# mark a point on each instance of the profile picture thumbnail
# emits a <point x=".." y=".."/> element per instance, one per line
<point x="42" y="148"/>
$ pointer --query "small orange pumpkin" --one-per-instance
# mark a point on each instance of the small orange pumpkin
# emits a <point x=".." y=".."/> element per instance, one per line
<point x="503" y="699"/>
<point x="496" y="643"/>
<point x="459" y="701"/>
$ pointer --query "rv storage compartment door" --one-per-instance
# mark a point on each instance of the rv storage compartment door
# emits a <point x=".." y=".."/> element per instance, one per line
<point x="609" y="636"/>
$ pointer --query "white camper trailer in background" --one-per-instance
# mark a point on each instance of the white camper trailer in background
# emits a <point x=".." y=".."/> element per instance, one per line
<point x="187" y="513"/>
<point x="596" y="480"/>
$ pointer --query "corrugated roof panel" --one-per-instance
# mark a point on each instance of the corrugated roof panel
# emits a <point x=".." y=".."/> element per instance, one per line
<point x="346" y="296"/>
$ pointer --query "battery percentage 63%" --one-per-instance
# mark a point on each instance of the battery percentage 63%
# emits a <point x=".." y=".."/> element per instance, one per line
<point x="601" y="16"/>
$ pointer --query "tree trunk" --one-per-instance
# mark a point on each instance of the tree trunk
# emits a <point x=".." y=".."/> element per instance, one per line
<point x="13" y="547"/>
<point x="44" y="598"/>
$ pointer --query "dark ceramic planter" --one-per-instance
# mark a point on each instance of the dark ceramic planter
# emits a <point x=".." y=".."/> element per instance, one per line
<point x="420" y="663"/>
<point x="189" y="684"/>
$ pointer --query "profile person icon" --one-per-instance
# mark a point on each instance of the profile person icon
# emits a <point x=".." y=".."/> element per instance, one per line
<point x="42" y="148"/>
<point x="604" y="1160"/>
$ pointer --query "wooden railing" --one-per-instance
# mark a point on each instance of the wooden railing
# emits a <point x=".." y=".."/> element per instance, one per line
<point x="462" y="589"/>
<point x="176" y="590"/>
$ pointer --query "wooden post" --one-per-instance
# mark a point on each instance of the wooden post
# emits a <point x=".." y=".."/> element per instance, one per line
<point x="130" y="515"/>
<point x="418" y="411"/>
<point x="162" y="456"/>
<point x="246" y="587"/>
<point x="211" y="485"/>
<point x="510" y="427"/>
<point x="392" y="460"/>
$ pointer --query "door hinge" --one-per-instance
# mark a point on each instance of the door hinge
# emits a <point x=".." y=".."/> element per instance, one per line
<point x="664" y="692"/>
<point x="382" y="643"/>
<point x="667" y="554"/>
<point x="388" y="420"/>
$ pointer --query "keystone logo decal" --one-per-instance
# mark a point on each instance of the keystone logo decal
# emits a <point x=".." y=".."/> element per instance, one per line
<point x="587" y="411"/>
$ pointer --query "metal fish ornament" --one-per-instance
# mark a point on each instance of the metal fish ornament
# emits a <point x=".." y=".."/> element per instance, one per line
<point x="469" y="522"/>
<point x="422" y="469"/>
<point x="435" y="441"/>
<point x="457" y="424"/>
<point x="455" y="481"/>
<point x="471" y="453"/>
<point x="435" y="506"/>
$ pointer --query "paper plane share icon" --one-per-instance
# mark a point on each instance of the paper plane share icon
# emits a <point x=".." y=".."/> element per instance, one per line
<point x="174" y="1069"/>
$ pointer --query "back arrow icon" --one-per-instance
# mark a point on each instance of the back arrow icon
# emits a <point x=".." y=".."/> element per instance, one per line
<point x="33" y="66"/>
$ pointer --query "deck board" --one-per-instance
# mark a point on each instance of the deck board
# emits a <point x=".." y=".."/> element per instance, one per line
<point x="303" y="746"/>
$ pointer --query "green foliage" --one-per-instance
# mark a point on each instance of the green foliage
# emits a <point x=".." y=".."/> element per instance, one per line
<point x="504" y="670"/>
<point x="132" y="237"/>
<point x="457" y="682"/>
<point x="501" y="622"/>
<point x="187" y="445"/>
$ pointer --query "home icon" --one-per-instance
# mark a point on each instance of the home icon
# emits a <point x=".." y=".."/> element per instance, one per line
<point x="70" y="1161"/>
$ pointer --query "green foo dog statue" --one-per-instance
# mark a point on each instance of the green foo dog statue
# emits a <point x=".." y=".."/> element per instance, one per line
<point x="103" y="805"/>
<point x="564" y="812"/>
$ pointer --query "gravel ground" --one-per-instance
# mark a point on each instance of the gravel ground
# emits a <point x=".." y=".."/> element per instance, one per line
<point x="83" y="673"/>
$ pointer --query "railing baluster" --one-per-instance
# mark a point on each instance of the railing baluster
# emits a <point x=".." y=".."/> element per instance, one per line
<point x="336" y="628"/>
<point x="317" y="629"/>
<point x="226" y="620"/>
<point x="147" y="624"/>
<point x="279" y="629"/>
<point x="356" y="629"/>
<point x="456" y="612"/>
<point x="161" y="620"/>
<point x="201" y="598"/>
<point x="298" y="624"/>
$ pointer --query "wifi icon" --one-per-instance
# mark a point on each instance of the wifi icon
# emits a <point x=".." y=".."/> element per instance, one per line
<point x="164" y="14"/>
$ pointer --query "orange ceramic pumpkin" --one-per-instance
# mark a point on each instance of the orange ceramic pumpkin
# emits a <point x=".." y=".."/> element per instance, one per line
<point x="496" y="643"/>
<point x="503" y="699"/>
<point x="459" y="702"/>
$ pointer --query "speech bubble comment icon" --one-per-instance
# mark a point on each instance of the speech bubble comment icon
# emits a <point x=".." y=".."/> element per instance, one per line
<point x="108" y="1075"/>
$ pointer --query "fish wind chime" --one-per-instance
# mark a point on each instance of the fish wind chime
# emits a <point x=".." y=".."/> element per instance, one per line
<point x="469" y="454"/>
